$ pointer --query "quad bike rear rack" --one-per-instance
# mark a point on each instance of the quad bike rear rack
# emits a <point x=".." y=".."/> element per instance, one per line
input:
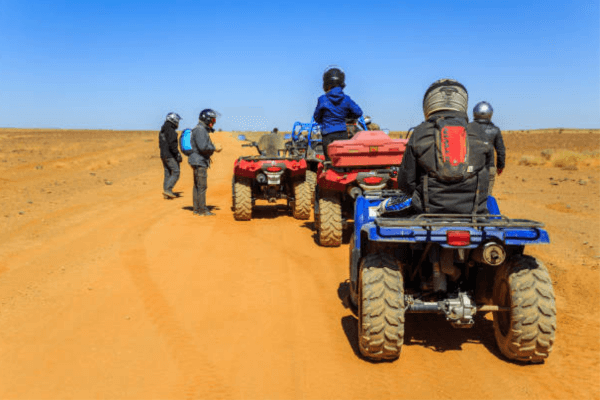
<point x="427" y="221"/>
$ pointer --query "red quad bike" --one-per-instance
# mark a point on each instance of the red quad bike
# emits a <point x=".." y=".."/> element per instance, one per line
<point x="269" y="177"/>
<point x="369" y="161"/>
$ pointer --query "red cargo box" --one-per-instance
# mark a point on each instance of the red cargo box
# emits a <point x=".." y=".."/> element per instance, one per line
<point x="367" y="148"/>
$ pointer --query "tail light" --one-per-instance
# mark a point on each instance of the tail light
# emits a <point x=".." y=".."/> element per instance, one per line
<point x="274" y="169"/>
<point x="458" y="238"/>
<point x="373" y="180"/>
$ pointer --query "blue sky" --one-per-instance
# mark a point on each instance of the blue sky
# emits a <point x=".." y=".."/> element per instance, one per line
<point x="125" y="64"/>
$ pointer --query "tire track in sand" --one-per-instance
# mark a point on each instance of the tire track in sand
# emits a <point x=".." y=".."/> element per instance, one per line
<point x="198" y="372"/>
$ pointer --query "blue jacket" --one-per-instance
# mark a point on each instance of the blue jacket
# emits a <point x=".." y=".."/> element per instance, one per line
<point x="332" y="110"/>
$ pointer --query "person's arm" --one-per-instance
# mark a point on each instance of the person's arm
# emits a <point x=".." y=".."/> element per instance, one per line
<point x="204" y="144"/>
<point x="355" y="110"/>
<point x="173" y="146"/>
<point x="318" y="114"/>
<point x="500" y="151"/>
<point x="407" y="176"/>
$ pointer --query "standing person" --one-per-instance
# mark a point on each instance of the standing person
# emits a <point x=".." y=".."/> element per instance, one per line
<point x="169" y="153"/>
<point x="334" y="107"/>
<point x="482" y="115"/>
<point x="445" y="166"/>
<point x="202" y="150"/>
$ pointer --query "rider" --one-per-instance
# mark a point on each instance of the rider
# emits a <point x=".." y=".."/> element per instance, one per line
<point x="334" y="107"/>
<point x="271" y="143"/>
<point x="169" y="153"/>
<point x="199" y="160"/>
<point x="445" y="166"/>
<point x="482" y="115"/>
<point x="371" y="125"/>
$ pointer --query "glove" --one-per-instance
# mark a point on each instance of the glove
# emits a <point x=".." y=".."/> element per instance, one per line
<point x="499" y="171"/>
<point x="218" y="147"/>
<point x="394" y="204"/>
<point x="179" y="158"/>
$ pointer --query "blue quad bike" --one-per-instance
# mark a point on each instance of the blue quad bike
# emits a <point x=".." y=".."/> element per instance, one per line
<point x="307" y="142"/>
<point x="454" y="265"/>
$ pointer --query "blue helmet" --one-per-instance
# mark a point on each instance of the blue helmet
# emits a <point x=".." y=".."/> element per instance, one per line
<point x="208" y="116"/>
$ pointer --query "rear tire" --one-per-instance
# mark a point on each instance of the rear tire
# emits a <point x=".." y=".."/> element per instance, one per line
<point x="329" y="225"/>
<point x="380" y="307"/>
<point x="302" y="204"/>
<point x="242" y="200"/>
<point x="526" y="332"/>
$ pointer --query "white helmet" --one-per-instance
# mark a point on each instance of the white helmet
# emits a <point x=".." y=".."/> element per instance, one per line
<point x="445" y="94"/>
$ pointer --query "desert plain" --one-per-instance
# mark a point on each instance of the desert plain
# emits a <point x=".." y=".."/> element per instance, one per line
<point x="109" y="291"/>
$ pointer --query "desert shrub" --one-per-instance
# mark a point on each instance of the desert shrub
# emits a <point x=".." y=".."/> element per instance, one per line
<point x="570" y="160"/>
<point x="531" y="161"/>
<point x="547" y="154"/>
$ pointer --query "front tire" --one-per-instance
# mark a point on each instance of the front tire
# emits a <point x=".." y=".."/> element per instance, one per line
<point x="526" y="332"/>
<point x="380" y="307"/>
<point x="311" y="179"/>
<point x="329" y="224"/>
<point x="242" y="200"/>
<point x="302" y="203"/>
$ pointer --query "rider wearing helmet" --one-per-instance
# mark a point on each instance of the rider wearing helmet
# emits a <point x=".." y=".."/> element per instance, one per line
<point x="169" y="153"/>
<point x="482" y="115"/>
<point x="334" y="107"/>
<point x="371" y="125"/>
<point x="428" y="179"/>
<point x="202" y="150"/>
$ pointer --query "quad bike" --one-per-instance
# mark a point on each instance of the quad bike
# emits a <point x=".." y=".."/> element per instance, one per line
<point x="454" y="265"/>
<point x="307" y="143"/>
<point x="269" y="176"/>
<point x="366" y="162"/>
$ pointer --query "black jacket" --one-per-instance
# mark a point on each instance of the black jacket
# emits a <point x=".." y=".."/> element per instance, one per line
<point x="491" y="133"/>
<point x="202" y="146"/>
<point x="419" y="164"/>
<point x="167" y="141"/>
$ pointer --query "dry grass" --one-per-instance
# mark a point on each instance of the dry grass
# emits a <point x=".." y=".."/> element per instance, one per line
<point x="562" y="158"/>
<point x="559" y="131"/>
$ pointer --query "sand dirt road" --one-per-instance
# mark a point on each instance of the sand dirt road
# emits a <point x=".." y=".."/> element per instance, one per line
<point x="109" y="291"/>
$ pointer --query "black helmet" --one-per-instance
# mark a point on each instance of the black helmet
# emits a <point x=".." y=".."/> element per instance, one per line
<point x="208" y="116"/>
<point x="332" y="77"/>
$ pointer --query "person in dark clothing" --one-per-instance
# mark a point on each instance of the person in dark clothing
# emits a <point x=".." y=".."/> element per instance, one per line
<point x="270" y="144"/>
<point x="202" y="150"/>
<point x="426" y="174"/>
<point x="334" y="107"/>
<point x="482" y="115"/>
<point x="169" y="153"/>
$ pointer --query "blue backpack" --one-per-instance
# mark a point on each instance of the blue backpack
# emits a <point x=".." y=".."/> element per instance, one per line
<point x="185" y="142"/>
